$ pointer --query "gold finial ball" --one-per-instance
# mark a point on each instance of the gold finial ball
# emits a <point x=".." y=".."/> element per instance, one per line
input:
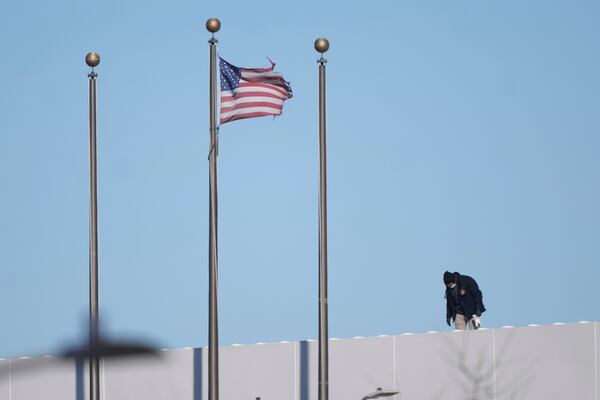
<point x="321" y="45"/>
<point x="92" y="59"/>
<point x="213" y="25"/>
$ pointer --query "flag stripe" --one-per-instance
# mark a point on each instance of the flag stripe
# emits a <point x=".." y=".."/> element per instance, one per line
<point x="268" y="69"/>
<point x="255" y="104"/>
<point x="250" y="115"/>
<point x="249" y="100"/>
<point x="250" y="110"/>
<point x="243" y="94"/>
<point x="261" y="87"/>
<point x="262" y="75"/>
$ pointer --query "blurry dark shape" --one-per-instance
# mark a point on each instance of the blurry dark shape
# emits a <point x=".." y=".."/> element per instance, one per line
<point x="97" y="345"/>
<point x="104" y="349"/>
<point x="98" y="350"/>
<point x="380" y="393"/>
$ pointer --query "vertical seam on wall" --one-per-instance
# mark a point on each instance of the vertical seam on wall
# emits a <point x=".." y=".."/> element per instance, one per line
<point x="394" y="359"/>
<point x="494" y="360"/>
<point x="103" y="381"/>
<point x="9" y="381"/>
<point x="295" y="371"/>
<point x="596" y="360"/>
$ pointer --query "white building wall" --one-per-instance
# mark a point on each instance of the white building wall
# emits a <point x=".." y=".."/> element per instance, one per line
<point x="540" y="362"/>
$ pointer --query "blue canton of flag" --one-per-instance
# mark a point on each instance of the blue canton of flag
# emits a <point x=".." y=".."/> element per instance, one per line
<point x="230" y="75"/>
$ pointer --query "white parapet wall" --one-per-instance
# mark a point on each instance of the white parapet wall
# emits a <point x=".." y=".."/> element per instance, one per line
<point x="535" y="363"/>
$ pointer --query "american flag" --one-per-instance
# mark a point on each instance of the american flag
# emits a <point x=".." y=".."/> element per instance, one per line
<point x="251" y="92"/>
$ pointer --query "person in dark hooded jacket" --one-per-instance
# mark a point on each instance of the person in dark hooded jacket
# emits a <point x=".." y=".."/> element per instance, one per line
<point x="464" y="301"/>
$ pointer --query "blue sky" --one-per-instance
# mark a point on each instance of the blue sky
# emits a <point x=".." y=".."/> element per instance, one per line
<point x="461" y="135"/>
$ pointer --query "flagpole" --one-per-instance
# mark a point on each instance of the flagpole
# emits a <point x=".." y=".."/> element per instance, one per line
<point x="322" y="45"/>
<point x="213" y="25"/>
<point x="92" y="59"/>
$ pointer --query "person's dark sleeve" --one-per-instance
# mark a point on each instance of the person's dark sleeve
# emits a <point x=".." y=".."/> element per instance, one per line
<point x="478" y="296"/>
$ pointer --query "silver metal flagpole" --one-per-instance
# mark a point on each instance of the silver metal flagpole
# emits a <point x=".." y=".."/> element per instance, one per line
<point x="322" y="45"/>
<point x="92" y="60"/>
<point x="213" y="25"/>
